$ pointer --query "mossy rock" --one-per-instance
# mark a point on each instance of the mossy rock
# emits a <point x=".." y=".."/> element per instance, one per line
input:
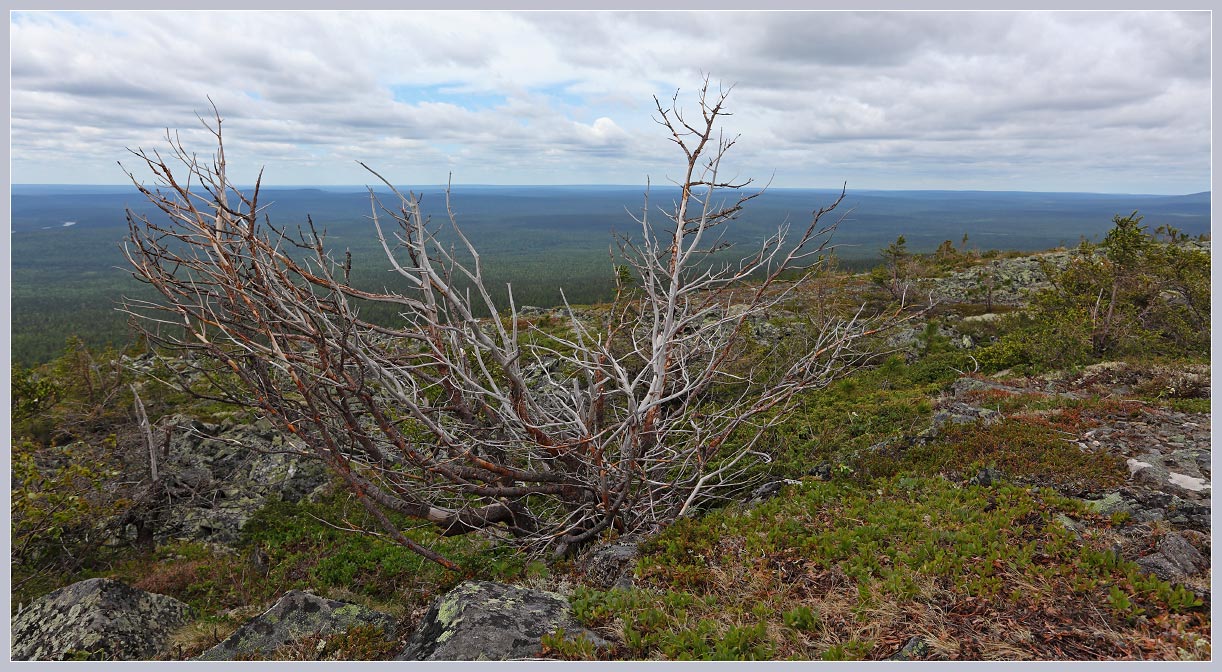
<point x="295" y="616"/>
<point x="217" y="476"/>
<point x="483" y="620"/>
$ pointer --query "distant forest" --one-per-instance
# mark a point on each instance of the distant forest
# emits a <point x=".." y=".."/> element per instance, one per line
<point x="68" y="275"/>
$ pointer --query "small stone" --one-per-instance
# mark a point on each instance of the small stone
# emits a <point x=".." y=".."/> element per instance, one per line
<point x="914" y="649"/>
<point x="766" y="492"/>
<point x="986" y="477"/>
<point x="822" y="471"/>
<point x="1068" y="523"/>
<point x="610" y="565"/>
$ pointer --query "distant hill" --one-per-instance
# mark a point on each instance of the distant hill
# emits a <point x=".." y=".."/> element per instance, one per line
<point x="1026" y="220"/>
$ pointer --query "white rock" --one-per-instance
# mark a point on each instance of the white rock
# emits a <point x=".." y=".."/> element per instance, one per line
<point x="1188" y="482"/>
<point x="1135" y="466"/>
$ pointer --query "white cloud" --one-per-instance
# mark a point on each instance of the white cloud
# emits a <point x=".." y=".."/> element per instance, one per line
<point x="1102" y="101"/>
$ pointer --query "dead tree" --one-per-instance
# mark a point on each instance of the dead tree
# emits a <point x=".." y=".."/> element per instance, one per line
<point x="445" y="417"/>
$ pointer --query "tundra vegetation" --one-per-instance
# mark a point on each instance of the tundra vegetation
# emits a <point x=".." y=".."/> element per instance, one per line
<point x="504" y="448"/>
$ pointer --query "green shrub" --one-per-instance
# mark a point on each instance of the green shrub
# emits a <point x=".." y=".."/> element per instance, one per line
<point x="1131" y="295"/>
<point x="61" y="499"/>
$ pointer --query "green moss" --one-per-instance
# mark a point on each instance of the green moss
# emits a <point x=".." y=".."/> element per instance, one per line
<point x="1183" y="405"/>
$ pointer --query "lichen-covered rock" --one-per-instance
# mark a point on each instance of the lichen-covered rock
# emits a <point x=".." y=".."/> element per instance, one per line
<point x="1013" y="279"/>
<point x="483" y="620"/>
<point x="914" y="649"/>
<point x="983" y="318"/>
<point x="1149" y="505"/>
<point x="295" y="616"/>
<point x="1178" y="472"/>
<point x="959" y="413"/>
<point x="906" y="339"/>
<point x="215" y="476"/>
<point x="986" y="477"/>
<point x="97" y="619"/>
<point x="1110" y="504"/>
<point x="610" y="565"/>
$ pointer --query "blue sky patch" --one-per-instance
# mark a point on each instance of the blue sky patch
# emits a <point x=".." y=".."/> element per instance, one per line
<point x="561" y="93"/>
<point x="446" y="93"/>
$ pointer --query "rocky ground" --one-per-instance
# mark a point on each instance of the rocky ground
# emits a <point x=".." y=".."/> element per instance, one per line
<point x="1167" y="454"/>
<point x="1165" y="498"/>
<point x="1137" y="459"/>
<point x="1014" y="279"/>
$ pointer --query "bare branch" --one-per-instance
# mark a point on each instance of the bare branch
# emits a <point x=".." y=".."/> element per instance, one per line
<point x="473" y="424"/>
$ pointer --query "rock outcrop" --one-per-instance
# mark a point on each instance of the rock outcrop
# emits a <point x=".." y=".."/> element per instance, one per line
<point x="96" y="619"/>
<point x="295" y="616"/>
<point x="1168" y="457"/>
<point x="1166" y="451"/>
<point x="482" y="620"/>
<point x="215" y="476"/>
<point x="1013" y="279"/>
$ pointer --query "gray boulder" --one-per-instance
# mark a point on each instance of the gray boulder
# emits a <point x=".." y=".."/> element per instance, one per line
<point x="295" y="616"/>
<point x="483" y="620"/>
<point x="96" y="619"/>
<point x="1175" y="559"/>
<point x="906" y="339"/>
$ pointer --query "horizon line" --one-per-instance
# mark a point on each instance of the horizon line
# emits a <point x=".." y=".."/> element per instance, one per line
<point x="363" y="187"/>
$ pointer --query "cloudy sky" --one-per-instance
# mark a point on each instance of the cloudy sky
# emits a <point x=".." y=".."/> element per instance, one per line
<point x="1073" y="101"/>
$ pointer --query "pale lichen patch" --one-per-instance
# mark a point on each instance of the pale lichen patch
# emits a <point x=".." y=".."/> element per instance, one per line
<point x="1188" y="482"/>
